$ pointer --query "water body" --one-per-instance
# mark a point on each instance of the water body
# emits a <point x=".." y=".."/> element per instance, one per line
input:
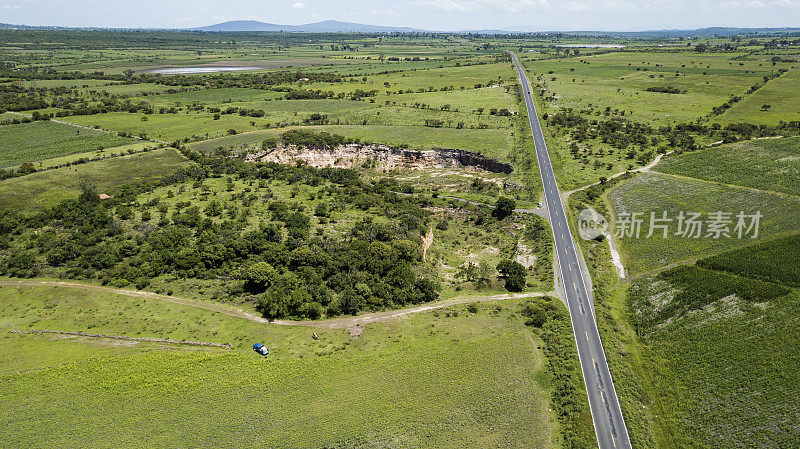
<point x="205" y="69"/>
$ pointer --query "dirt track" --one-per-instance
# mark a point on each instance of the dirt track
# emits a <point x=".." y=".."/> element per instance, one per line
<point x="334" y="323"/>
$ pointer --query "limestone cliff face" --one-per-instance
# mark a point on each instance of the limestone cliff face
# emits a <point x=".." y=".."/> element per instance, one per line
<point x="381" y="157"/>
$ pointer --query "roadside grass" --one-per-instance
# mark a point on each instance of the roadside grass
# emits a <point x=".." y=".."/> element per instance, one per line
<point x="656" y="193"/>
<point x="439" y="379"/>
<point x="28" y="142"/>
<point x="768" y="164"/>
<point x="38" y="191"/>
<point x="781" y="96"/>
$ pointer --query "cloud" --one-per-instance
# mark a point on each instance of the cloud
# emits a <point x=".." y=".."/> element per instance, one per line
<point x="298" y="5"/>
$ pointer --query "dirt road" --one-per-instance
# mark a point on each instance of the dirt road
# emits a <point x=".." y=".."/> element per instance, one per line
<point x="333" y="323"/>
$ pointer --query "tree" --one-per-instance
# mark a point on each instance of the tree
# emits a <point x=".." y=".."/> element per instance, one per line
<point x="26" y="168"/>
<point x="700" y="48"/>
<point x="514" y="274"/>
<point x="504" y="207"/>
<point x="260" y="276"/>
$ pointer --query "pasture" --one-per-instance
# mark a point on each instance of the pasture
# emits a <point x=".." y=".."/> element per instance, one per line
<point x="41" y="190"/>
<point x="398" y="387"/>
<point x="780" y="97"/>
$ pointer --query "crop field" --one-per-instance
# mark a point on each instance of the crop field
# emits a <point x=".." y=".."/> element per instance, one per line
<point x="658" y="193"/>
<point x="775" y="261"/>
<point x="40" y="190"/>
<point x="769" y="164"/>
<point x="398" y="388"/>
<point x="720" y="375"/>
<point x="28" y="142"/>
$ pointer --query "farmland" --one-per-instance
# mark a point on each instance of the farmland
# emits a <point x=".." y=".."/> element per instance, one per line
<point x="311" y="187"/>
<point x="28" y="142"/>
<point x="499" y="370"/>
<point x="658" y="193"/>
<point x="742" y="331"/>
<point x="770" y="164"/>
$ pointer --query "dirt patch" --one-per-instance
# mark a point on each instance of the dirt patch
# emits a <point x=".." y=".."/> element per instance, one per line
<point x="524" y="255"/>
<point x="427" y="241"/>
<point x="355" y="331"/>
<point x="125" y="338"/>
<point x="381" y="157"/>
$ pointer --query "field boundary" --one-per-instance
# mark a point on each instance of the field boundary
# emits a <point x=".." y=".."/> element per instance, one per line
<point x="123" y="337"/>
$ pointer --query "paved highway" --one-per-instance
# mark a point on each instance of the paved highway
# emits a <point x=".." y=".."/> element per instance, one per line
<point x="609" y="425"/>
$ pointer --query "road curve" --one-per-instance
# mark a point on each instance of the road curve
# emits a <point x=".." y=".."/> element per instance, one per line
<point x="609" y="424"/>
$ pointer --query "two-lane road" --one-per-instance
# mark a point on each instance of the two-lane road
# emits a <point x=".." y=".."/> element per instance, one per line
<point x="608" y="422"/>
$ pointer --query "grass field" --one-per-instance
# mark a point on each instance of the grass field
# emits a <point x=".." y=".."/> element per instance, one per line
<point x="653" y="192"/>
<point x="35" y="141"/>
<point x="38" y="191"/>
<point x="106" y="152"/>
<point x="484" y="141"/>
<point x="770" y="164"/>
<point x="783" y="105"/>
<point x="620" y="80"/>
<point x="427" y="381"/>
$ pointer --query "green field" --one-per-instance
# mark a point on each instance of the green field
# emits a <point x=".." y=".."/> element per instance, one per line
<point x="620" y="80"/>
<point x="775" y="261"/>
<point x="781" y="96"/>
<point x="38" y="191"/>
<point x="484" y="141"/>
<point x="28" y="142"/>
<point x="653" y="192"/>
<point x="723" y="375"/>
<point x="426" y="381"/>
<point x="769" y="164"/>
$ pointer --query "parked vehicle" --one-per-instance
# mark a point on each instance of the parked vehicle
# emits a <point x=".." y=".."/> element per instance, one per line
<point x="261" y="349"/>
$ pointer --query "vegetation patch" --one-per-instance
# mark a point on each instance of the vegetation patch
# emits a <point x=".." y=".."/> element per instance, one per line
<point x="31" y="142"/>
<point x="774" y="261"/>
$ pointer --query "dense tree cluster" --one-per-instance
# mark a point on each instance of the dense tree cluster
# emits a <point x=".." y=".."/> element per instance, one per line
<point x="280" y="264"/>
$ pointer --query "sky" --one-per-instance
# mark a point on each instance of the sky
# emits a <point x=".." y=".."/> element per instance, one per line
<point x="441" y="15"/>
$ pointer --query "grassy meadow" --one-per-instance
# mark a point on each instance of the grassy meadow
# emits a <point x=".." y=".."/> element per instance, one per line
<point x="439" y="379"/>
<point x="41" y="190"/>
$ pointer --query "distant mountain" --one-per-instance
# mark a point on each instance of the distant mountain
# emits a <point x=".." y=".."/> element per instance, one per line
<point x="333" y="26"/>
<point x="327" y="26"/>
